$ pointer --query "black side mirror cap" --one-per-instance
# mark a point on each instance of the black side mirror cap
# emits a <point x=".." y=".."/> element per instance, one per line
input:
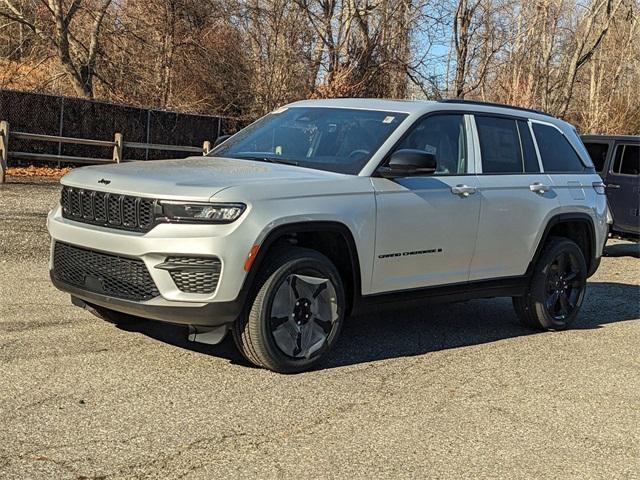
<point x="409" y="162"/>
<point x="220" y="139"/>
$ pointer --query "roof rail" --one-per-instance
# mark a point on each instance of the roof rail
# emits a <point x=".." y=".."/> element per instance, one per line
<point x="492" y="104"/>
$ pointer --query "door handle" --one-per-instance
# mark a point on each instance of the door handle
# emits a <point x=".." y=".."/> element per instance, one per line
<point x="613" y="185"/>
<point x="539" y="188"/>
<point x="463" y="190"/>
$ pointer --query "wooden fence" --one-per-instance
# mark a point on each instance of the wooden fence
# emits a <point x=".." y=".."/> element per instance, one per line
<point x="118" y="146"/>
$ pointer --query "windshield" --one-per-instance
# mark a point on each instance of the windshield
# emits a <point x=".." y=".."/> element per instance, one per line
<point x="335" y="139"/>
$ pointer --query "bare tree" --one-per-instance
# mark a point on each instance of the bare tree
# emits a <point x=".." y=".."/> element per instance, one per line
<point x="462" y="37"/>
<point x="591" y="30"/>
<point x="361" y="48"/>
<point x="578" y="60"/>
<point x="77" y="50"/>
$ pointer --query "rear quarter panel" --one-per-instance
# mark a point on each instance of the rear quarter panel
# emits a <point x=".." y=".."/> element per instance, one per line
<point x="577" y="195"/>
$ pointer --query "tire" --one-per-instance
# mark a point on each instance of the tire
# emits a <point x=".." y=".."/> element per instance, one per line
<point x="557" y="287"/>
<point x="296" y="313"/>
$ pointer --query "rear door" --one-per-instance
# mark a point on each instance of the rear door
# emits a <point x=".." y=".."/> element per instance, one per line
<point x="623" y="187"/>
<point x="515" y="197"/>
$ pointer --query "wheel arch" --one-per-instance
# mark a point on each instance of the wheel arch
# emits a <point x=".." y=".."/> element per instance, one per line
<point x="331" y="238"/>
<point x="578" y="227"/>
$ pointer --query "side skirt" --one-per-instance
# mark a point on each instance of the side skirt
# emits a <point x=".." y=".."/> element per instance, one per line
<point x="503" y="287"/>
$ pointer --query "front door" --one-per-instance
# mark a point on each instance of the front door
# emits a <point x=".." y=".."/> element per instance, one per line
<point x="426" y="226"/>
<point x="623" y="188"/>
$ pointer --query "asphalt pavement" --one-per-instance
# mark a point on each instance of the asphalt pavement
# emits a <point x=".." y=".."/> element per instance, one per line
<point x="441" y="391"/>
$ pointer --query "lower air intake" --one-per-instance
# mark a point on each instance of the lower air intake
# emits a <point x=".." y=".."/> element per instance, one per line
<point x="97" y="272"/>
<point x="194" y="274"/>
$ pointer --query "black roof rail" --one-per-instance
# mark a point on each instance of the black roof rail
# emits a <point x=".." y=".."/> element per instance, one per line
<point x="492" y="104"/>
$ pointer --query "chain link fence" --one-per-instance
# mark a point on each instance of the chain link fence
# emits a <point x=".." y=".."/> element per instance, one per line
<point x="73" y="117"/>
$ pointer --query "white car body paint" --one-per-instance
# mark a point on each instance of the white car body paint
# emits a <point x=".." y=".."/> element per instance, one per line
<point x="491" y="233"/>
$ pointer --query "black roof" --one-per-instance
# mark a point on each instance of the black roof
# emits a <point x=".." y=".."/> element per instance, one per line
<point x="597" y="136"/>
<point x="492" y="104"/>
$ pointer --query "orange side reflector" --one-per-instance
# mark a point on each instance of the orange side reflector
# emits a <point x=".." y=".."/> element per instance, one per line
<point x="251" y="257"/>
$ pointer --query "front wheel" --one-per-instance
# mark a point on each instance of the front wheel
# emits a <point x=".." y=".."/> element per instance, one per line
<point x="296" y="314"/>
<point x="557" y="287"/>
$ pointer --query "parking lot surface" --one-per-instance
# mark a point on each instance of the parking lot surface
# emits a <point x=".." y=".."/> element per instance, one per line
<point x="440" y="391"/>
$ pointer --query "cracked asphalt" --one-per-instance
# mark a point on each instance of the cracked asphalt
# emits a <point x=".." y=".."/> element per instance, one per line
<point x="443" y="391"/>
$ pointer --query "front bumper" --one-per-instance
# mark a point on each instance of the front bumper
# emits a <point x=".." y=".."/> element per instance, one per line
<point x="226" y="242"/>
<point x="208" y="314"/>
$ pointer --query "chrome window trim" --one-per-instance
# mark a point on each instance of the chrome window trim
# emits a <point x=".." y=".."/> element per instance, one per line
<point x="476" y="145"/>
<point x="535" y="142"/>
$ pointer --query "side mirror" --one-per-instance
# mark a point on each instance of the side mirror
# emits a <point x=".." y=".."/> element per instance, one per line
<point x="220" y="139"/>
<point x="408" y="162"/>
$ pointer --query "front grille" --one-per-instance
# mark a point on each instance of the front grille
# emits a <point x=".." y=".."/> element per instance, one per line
<point x="108" y="209"/>
<point x="97" y="272"/>
<point x="194" y="274"/>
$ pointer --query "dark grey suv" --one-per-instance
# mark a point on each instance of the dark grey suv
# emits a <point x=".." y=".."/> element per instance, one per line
<point x="617" y="160"/>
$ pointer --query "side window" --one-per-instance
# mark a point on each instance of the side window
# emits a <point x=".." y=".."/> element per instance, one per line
<point x="445" y="137"/>
<point x="627" y="160"/>
<point x="598" y="153"/>
<point x="506" y="145"/>
<point x="557" y="153"/>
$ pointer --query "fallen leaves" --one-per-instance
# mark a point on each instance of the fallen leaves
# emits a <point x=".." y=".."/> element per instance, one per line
<point x="33" y="171"/>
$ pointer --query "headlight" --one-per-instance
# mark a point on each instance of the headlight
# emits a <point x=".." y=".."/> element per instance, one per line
<point x="201" y="212"/>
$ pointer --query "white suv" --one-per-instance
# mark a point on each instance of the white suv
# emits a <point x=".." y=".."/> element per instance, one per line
<point x="324" y="208"/>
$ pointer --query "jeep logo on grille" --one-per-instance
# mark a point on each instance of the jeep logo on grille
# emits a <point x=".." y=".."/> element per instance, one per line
<point x="104" y="181"/>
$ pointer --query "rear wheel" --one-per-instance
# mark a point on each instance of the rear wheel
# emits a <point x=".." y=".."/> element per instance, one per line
<point x="296" y="314"/>
<point x="557" y="288"/>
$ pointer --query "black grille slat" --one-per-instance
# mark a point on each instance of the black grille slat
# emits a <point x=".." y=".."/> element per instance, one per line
<point x="111" y="275"/>
<point x="200" y="274"/>
<point x="65" y="200"/>
<point x="87" y="204"/>
<point x="75" y="207"/>
<point x="145" y="213"/>
<point x="99" y="207"/>
<point x="123" y="212"/>
<point x="114" y="212"/>
<point x="129" y="212"/>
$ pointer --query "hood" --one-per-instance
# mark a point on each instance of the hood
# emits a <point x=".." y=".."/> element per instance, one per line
<point x="193" y="178"/>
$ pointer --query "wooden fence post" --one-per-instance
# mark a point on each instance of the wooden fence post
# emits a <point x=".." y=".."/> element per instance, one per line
<point x="4" y="149"/>
<point x="206" y="147"/>
<point x="117" y="148"/>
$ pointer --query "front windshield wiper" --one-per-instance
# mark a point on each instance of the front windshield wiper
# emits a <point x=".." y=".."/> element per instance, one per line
<point x="264" y="158"/>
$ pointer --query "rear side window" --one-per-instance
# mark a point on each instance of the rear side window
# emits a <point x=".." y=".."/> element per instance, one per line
<point x="627" y="160"/>
<point x="557" y="153"/>
<point x="598" y="153"/>
<point x="506" y="145"/>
